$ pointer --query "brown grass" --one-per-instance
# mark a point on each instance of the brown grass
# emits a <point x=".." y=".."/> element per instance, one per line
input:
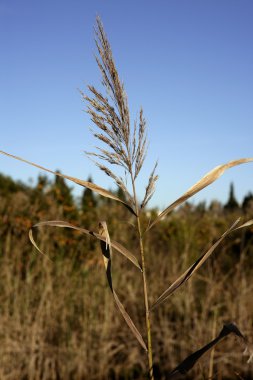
<point x="58" y="319"/>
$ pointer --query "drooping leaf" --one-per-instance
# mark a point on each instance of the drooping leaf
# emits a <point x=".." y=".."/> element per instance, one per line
<point x="35" y="245"/>
<point x="60" y="223"/>
<point x="205" y="181"/>
<point x="106" y="246"/>
<point x="198" y="263"/>
<point x="89" y="185"/>
<point x="192" y="359"/>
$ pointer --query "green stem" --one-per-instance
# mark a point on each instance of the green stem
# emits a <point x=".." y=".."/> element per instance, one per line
<point x="145" y="289"/>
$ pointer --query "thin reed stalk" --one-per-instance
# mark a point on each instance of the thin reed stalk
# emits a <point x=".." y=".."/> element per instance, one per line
<point x="145" y="287"/>
<point x="145" y="291"/>
<point x="123" y="148"/>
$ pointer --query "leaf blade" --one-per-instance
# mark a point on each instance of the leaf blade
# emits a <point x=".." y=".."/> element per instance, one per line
<point x="198" y="263"/>
<point x="107" y="256"/>
<point x="205" y="181"/>
<point x="89" y="185"/>
<point x="59" y="223"/>
<point x="187" y="364"/>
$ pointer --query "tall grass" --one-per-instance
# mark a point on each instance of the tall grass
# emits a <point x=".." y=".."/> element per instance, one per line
<point x="57" y="319"/>
<point x="120" y="155"/>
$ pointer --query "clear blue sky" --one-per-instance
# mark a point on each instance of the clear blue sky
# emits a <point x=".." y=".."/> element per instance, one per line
<point x="189" y="64"/>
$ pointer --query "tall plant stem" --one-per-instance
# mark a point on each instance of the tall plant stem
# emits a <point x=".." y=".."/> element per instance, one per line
<point x="145" y="289"/>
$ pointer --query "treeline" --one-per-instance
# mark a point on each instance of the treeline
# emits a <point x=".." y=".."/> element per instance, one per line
<point x="58" y="192"/>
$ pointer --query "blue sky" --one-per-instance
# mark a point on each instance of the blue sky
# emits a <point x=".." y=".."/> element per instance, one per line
<point x="189" y="64"/>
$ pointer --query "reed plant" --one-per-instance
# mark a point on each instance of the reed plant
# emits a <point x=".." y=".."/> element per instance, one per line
<point x="120" y="154"/>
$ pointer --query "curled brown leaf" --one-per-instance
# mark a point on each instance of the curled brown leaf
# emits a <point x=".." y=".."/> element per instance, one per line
<point x="106" y="246"/>
<point x="60" y="223"/>
<point x="205" y="181"/>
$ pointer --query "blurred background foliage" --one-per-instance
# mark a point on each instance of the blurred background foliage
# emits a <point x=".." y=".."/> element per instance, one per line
<point x="57" y="317"/>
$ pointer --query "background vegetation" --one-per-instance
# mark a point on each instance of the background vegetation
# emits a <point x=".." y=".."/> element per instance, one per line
<point x="57" y="317"/>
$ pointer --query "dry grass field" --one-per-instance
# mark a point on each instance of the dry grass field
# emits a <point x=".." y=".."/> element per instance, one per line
<point x="58" y="319"/>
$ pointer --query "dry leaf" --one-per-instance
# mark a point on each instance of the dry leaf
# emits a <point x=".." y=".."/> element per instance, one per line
<point x="191" y="360"/>
<point x="88" y="185"/>
<point x="198" y="263"/>
<point x="60" y="223"/>
<point x="107" y="256"/>
<point x="205" y="181"/>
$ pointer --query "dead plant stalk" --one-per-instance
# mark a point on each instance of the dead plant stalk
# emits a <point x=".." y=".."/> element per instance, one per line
<point x="145" y="289"/>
